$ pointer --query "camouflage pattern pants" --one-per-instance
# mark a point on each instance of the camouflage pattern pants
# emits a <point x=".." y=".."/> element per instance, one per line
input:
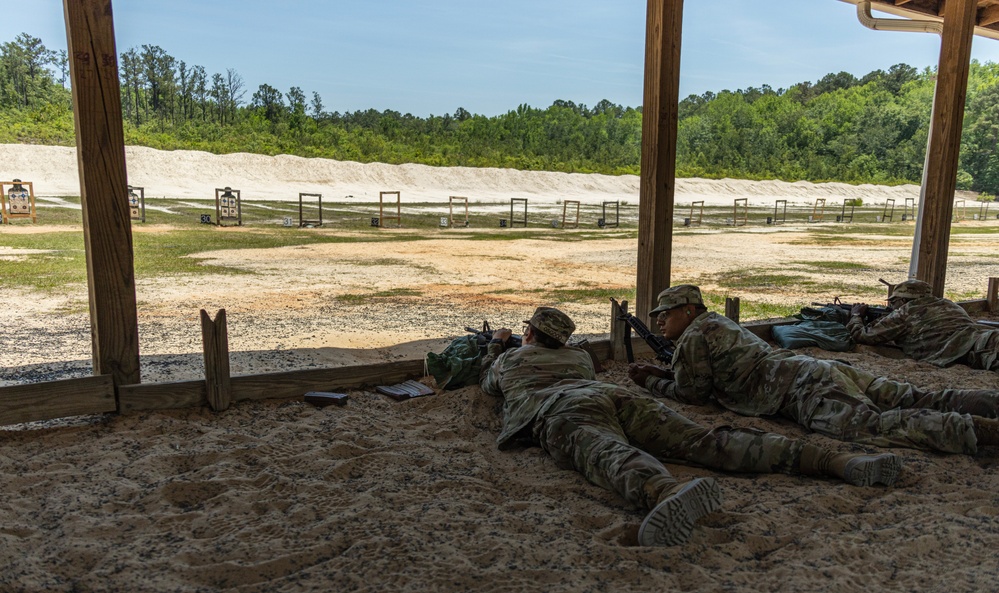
<point x="617" y="438"/>
<point x="844" y="403"/>
<point x="985" y="352"/>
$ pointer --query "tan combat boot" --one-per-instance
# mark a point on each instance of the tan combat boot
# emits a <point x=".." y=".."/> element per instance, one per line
<point x="855" y="469"/>
<point x="672" y="520"/>
<point x="986" y="431"/>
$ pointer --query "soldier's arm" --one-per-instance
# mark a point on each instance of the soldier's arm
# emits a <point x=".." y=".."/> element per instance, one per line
<point x="890" y="327"/>
<point x="489" y="372"/>
<point x="692" y="381"/>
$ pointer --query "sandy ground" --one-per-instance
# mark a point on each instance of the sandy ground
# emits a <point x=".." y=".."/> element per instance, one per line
<point x="414" y="496"/>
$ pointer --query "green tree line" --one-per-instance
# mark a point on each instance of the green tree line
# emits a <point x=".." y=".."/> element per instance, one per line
<point x="871" y="129"/>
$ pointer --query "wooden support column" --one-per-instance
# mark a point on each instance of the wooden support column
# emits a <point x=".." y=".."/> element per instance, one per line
<point x="658" y="177"/>
<point x="992" y="297"/>
<point x="100" y="147"/>
<point x="940" y="180"/>
<point x="218" y="381"/>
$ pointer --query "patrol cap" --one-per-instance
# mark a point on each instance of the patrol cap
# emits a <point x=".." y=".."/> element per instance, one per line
<point x="552" y="322"/>
<point x="911" y="289"/>
<point x="676" y="296"/>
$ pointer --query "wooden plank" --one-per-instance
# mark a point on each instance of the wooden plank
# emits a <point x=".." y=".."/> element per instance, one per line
<point x="285" y="385"/>
<point x="57" y="399"/>
<point x="660" y="107"/>
<point x="992" y="296"/>
<point x="162" y="396"/>
<point x="215" y="339"/>
<point x="107" y="228"/>
<point x="945" y="142"/>
<point x="617" y="331"/>
<point x="732" y="308"/>
<point x="988" y="16"/>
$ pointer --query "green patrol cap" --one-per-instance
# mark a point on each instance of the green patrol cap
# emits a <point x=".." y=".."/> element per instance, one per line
<point x="552" y="322"/>
<point x="911" y="289"/>
<point x="676" y="296"/>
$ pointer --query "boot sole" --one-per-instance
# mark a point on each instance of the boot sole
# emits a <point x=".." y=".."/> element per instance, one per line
<point x="869" y="470"/>
<point x="672" y="521"/>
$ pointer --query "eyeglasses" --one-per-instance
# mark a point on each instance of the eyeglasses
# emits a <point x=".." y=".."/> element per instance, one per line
<point x="664" y="315"/>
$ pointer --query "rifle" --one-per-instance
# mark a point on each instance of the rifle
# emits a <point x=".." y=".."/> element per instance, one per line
<point x="483" y="336"/>
<point x="873" y="312"/>
<point x="660" y="345"/>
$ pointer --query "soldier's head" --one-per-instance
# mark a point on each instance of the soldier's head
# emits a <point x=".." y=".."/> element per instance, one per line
<point x="549" y="327"/>
<point x="678" y="307"/>
<point x="907" y="291"/>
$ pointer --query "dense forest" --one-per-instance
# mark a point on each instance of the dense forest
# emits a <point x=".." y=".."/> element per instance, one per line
<point x="871" y="129"/>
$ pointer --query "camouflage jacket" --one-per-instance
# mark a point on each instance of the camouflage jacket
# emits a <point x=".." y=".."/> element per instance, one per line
<point x="529" y="379"/>
<point x="717" y="359"/>
<point x="929" y="328"/>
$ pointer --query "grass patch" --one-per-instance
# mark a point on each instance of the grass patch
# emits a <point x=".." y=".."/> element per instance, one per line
<point x="359" y="299"/>
<point x="746" y="280"/>
<point x="835" y="266"/>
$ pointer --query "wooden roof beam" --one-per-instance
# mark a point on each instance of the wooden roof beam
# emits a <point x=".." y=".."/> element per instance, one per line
<point x="988" y="16"/>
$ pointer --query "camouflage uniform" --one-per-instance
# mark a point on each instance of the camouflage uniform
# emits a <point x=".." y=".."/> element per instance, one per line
<point x="934" y="330"/>
<point x="716" y="359"/>
<point x="611" y="434"/>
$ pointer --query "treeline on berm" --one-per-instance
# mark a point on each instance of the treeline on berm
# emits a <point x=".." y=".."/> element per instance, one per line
<point x="871" y="129"/>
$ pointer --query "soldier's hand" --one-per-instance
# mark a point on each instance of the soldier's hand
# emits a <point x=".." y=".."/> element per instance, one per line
<point x="639" y="373"/>
<point x="858" y="309"/>
<point x="502" y="334"/>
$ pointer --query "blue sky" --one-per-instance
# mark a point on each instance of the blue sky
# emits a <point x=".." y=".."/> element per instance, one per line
<point x="423" y="56"/>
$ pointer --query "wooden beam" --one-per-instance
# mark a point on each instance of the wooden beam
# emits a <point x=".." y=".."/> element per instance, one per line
<point x="658" y="175"/>
<point x="988" y="16"/>
<point x="992" y="296"/>
<point x="732" y="308"/>
<point x="107" y="228"/>
<point x="618" y="352"/>
<point x="57" y="399"/>
<point x="215" y="340"/>
<point x="945" y="143"/>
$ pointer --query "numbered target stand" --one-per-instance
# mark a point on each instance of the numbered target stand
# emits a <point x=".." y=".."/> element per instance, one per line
<point x="17" y="199"/>
<point x="228" y="207"/>
<point x="137" y="203"/>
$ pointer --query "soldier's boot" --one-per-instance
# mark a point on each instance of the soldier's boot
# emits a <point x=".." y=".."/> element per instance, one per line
<point x="855" y="469"/>
<point x="672" y="520"/>
<point x="986" y="431"/>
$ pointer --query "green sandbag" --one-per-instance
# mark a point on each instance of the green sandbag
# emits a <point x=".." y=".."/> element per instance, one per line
<point x="458" y="365"/>
<point x="828" y="335"/>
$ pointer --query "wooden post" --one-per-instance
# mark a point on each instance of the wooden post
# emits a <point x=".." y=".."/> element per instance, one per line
<point x="732" y="308"/>
<point x="658" y="175"/>
<point x="107" y="228"/>
<point x="617" y="332"/>
<point x="215" y="337"/>
<point x="993" y="295"/>
<point x="945" y="142"/>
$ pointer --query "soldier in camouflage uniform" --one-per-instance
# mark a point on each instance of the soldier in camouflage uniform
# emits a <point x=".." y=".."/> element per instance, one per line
<point x="717" y="359"/>
<point x="616" y="437"/>
<point x="929" y="328"/>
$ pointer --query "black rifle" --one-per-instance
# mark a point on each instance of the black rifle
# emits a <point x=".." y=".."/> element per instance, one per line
<point x="483" y="336"/>
<point x="660" y="345"/>
<point x="873" y="312"/>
